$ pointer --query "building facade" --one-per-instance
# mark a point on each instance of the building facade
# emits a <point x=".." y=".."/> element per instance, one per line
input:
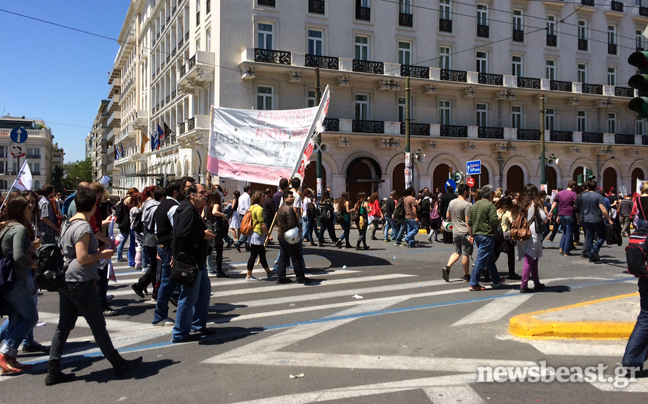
<point x="38" y="149"/>
<point x="477" y="72"/>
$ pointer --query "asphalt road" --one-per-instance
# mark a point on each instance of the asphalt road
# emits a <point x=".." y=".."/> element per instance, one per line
<point x="411" y="338"/>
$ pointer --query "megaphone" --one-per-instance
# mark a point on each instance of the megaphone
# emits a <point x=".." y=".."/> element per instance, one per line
<point x="316" y="148"/>
<point x="552" y="161"/>
<point x="324" y="147"/>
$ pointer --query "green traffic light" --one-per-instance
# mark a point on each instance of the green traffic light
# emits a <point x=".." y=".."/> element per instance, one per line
<point x="640" y="82"/>
<point x="639" y="105"/>
<point x="639" y="59"/>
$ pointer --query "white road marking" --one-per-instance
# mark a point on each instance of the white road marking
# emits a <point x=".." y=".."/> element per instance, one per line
<point x="495" y="310"/>
<point x="453" y="395"/>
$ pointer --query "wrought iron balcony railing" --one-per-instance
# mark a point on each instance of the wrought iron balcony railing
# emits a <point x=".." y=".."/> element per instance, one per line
<point x="561" y="136"/>
<point x="592" y="137"/>
<point x="556" y="85"/>
<point x="485" y="132"/>
<point x="405" y="20"/>
<point x="528" y="82"/>
<point x="331" y="125"/>
<point x="416" y="129"/>
<point x="272" y="56"/>
<point x="483" y="31"/>
<point x="454" y="131"/>
<point x="316" y="6"/>
<point x="624" y="92"/>
<point x="493" y="79"/>
<point x="368" y="126"/>
<point x="552" y="40"/>
<point x="620" y="138"/>
<point x="528" y="134"/>
<point x="582" y="44"/>
<point x="270" y="3"/>
<point x="612" y="49"/>
<point x="323" y="62"/>
<point x="445" y="25"/>
<point x="617" y="6"/>
<point x="592" y="89"/>
<point x="454" y="75"/>
<point x="362" y="13"/>
<point x="415" y="71"/>
<point x="518" y="35"/>
<point x="367" y="66"/>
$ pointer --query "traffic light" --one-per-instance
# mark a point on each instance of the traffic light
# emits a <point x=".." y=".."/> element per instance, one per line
<point x="639" y="82"/>
<point x="589" y="175"/>
<point x="579" y="180"/>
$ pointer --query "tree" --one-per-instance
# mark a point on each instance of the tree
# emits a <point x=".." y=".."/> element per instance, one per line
<point x="76" y="172"/>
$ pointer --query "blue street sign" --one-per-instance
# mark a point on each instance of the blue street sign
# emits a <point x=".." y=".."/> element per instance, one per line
<point x="473" y="167"/>
<point x="451" y="183"/>
<point x="18" y="135"/>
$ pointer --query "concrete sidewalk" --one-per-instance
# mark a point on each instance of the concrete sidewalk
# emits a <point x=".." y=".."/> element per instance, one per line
<point x="609" y="318"/>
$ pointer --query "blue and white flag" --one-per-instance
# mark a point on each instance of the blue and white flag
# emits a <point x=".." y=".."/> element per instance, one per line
<point x="105" y="180"/>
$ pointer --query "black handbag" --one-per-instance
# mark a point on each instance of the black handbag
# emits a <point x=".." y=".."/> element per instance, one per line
<point x="184" y="270"/>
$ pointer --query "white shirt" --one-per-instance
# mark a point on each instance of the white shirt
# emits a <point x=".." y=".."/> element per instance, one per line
<point x="171" y="211"/>
<point x="244" y="203"/>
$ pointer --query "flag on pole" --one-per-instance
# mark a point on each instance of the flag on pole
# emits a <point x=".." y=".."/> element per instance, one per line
<point x="159" y="137"/>
<point x="161" y="132"/>
<point x="116" y="152"/>
<point x="121" y="149"/>
<point x="263" y="146"/>
<point x="105" y="180"/>
<point x="23" y="181"/>
<point x="167" y="131"/>
<point x="145" y="139"/>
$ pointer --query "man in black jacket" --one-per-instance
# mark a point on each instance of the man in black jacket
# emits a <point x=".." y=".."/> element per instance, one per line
<point x="190" y="235"/>
<point x="443" y="209"/>
<point x="286" y="220"/>
<point x="175" y="191"/>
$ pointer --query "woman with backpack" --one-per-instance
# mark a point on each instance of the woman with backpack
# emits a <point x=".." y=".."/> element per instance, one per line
<point x="78" y="295"/>
<point x="345" y="220"/>
<point x="257" y="239"/>
<point x="530" y="250"/>
<point x="217" y="224"/>
<point x="375" y="215"/>
<point x="435" y="218"/>
<point x="16" y="236"/>
<point x="361" y="211"/>
<point x="504" y="206"/>
<point x="327" y="217"/>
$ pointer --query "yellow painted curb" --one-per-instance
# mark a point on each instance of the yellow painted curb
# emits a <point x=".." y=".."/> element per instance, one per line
<point x="527" y="326"/>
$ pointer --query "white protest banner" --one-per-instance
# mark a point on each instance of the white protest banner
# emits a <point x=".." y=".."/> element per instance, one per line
<point x="262" y="146"/>
<point x="23" y="181"/>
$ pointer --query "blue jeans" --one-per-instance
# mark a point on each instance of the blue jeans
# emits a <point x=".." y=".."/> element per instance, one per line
<point x="120" y="247"/>
<point x="346" y="227"/>
<point x="390" y="224"/>
<point x="29" y="338"/>
<point x="402" y="230"/>
<point x="185" y="314"/>
<point x="640" y="223"/>
<point x="412" y="231"/>
<point x="201" y="307"/>
<point x="22" y="318"/>
<point x="636" y="351"/>
<point x="591" y="229"/>
<point x="485" y="246"/>
<point x="567" y="223"/>
<point x="131" y="250"/>
<point x="167" y="287"/>
<point x="309" y="227"/>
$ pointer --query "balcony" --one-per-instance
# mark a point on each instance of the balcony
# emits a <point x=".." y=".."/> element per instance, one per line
<point x="362" y="13"/>
<point x="114" y="103"/>
<point x="620" y="138"/>
<point x="518" y="35"/>
<point x="199" y="68"/>
<point x="454" y="131"/>
<point x="612" y="49"/>
<point x="416" y="129"/>
<point x="445" y="25"/>
<point x="490" y="133"/>
<point x="592" y="89"/>
<point x="115" y="87"/>
<point x="415" y="71"/>
<point x="587" y="3"/>
<point x="359" y="126"/>
<point x="624" y="92"/>
<point x="114" y="120"/>
<point x="643" y="11"/>
<point x="269" y="3"/>
<point x="323" y="62"/>
<point x="556" y="85"/>
<point x="527" y="82"/>
<point x="367" y="66"/>
<point x="561" y="136"/>
<point x="582" y="44"/>
<point x="272" y="56"/>
<point x="528" y="134"/>
<point x="193" y="126"/>
<point x="405" y="19"/>
<point x="141" y="119"/>
<point x="454" y="75"/>
<point x="617" y="6"/>
<point x="552" y="40"/>
<point x="316" y="6"/>
<point x="592" y="137"/>
<point x="331" y="125"/>
<point x="492" y="79"/>
<point x="483" y="31"/>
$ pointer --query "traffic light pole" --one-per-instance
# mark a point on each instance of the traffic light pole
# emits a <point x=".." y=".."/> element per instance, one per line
<point x="318" y="140"/>
<point x="408" y="155"/>
<point x="543" y="162"/>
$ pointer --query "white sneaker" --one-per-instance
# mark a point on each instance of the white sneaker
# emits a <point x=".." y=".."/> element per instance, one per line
<point x="168" y="322"/>
<point x="251" y="278"/>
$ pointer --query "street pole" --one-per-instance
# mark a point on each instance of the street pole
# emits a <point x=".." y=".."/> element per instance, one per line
<point x="543" y="163"/>
<point x="408" y="155"/>
<point x="318" y="98"/>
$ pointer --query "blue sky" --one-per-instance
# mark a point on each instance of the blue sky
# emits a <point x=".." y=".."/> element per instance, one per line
<point x="56" y="74"/>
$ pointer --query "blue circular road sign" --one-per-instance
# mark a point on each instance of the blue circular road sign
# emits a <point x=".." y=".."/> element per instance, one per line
<point x="451" y="183"/>
<point x="18" y="135"/>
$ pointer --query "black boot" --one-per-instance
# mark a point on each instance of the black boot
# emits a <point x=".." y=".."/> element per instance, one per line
<point x="54" y="374"/>
<point x="122" y="367"/>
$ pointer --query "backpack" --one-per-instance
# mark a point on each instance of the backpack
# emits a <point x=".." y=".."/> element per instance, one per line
<point x="636" y="252"/>
<point x="311" y="211"/>
<point x="434" y="212"/>
<point x="399" y="210"/>
<point x="356" y="212"/>
<point x="326" y="211"/>
<point x="119" y="215"/>
<point x="66" y="204"/>
<point x="425" y="204"/>
<point x="247" y="228"/>
<point x="50" y="274"/>
<point x="520" y="228"/>
<point x="138" y="225"/>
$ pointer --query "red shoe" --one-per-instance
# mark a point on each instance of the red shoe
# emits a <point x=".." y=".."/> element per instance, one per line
<point x="6" y="366"/>
<point x="476" y="288"/>
<point x="17" y="365"/>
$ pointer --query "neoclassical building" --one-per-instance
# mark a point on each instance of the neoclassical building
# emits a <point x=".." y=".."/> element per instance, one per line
<point x="477" y="71"/>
